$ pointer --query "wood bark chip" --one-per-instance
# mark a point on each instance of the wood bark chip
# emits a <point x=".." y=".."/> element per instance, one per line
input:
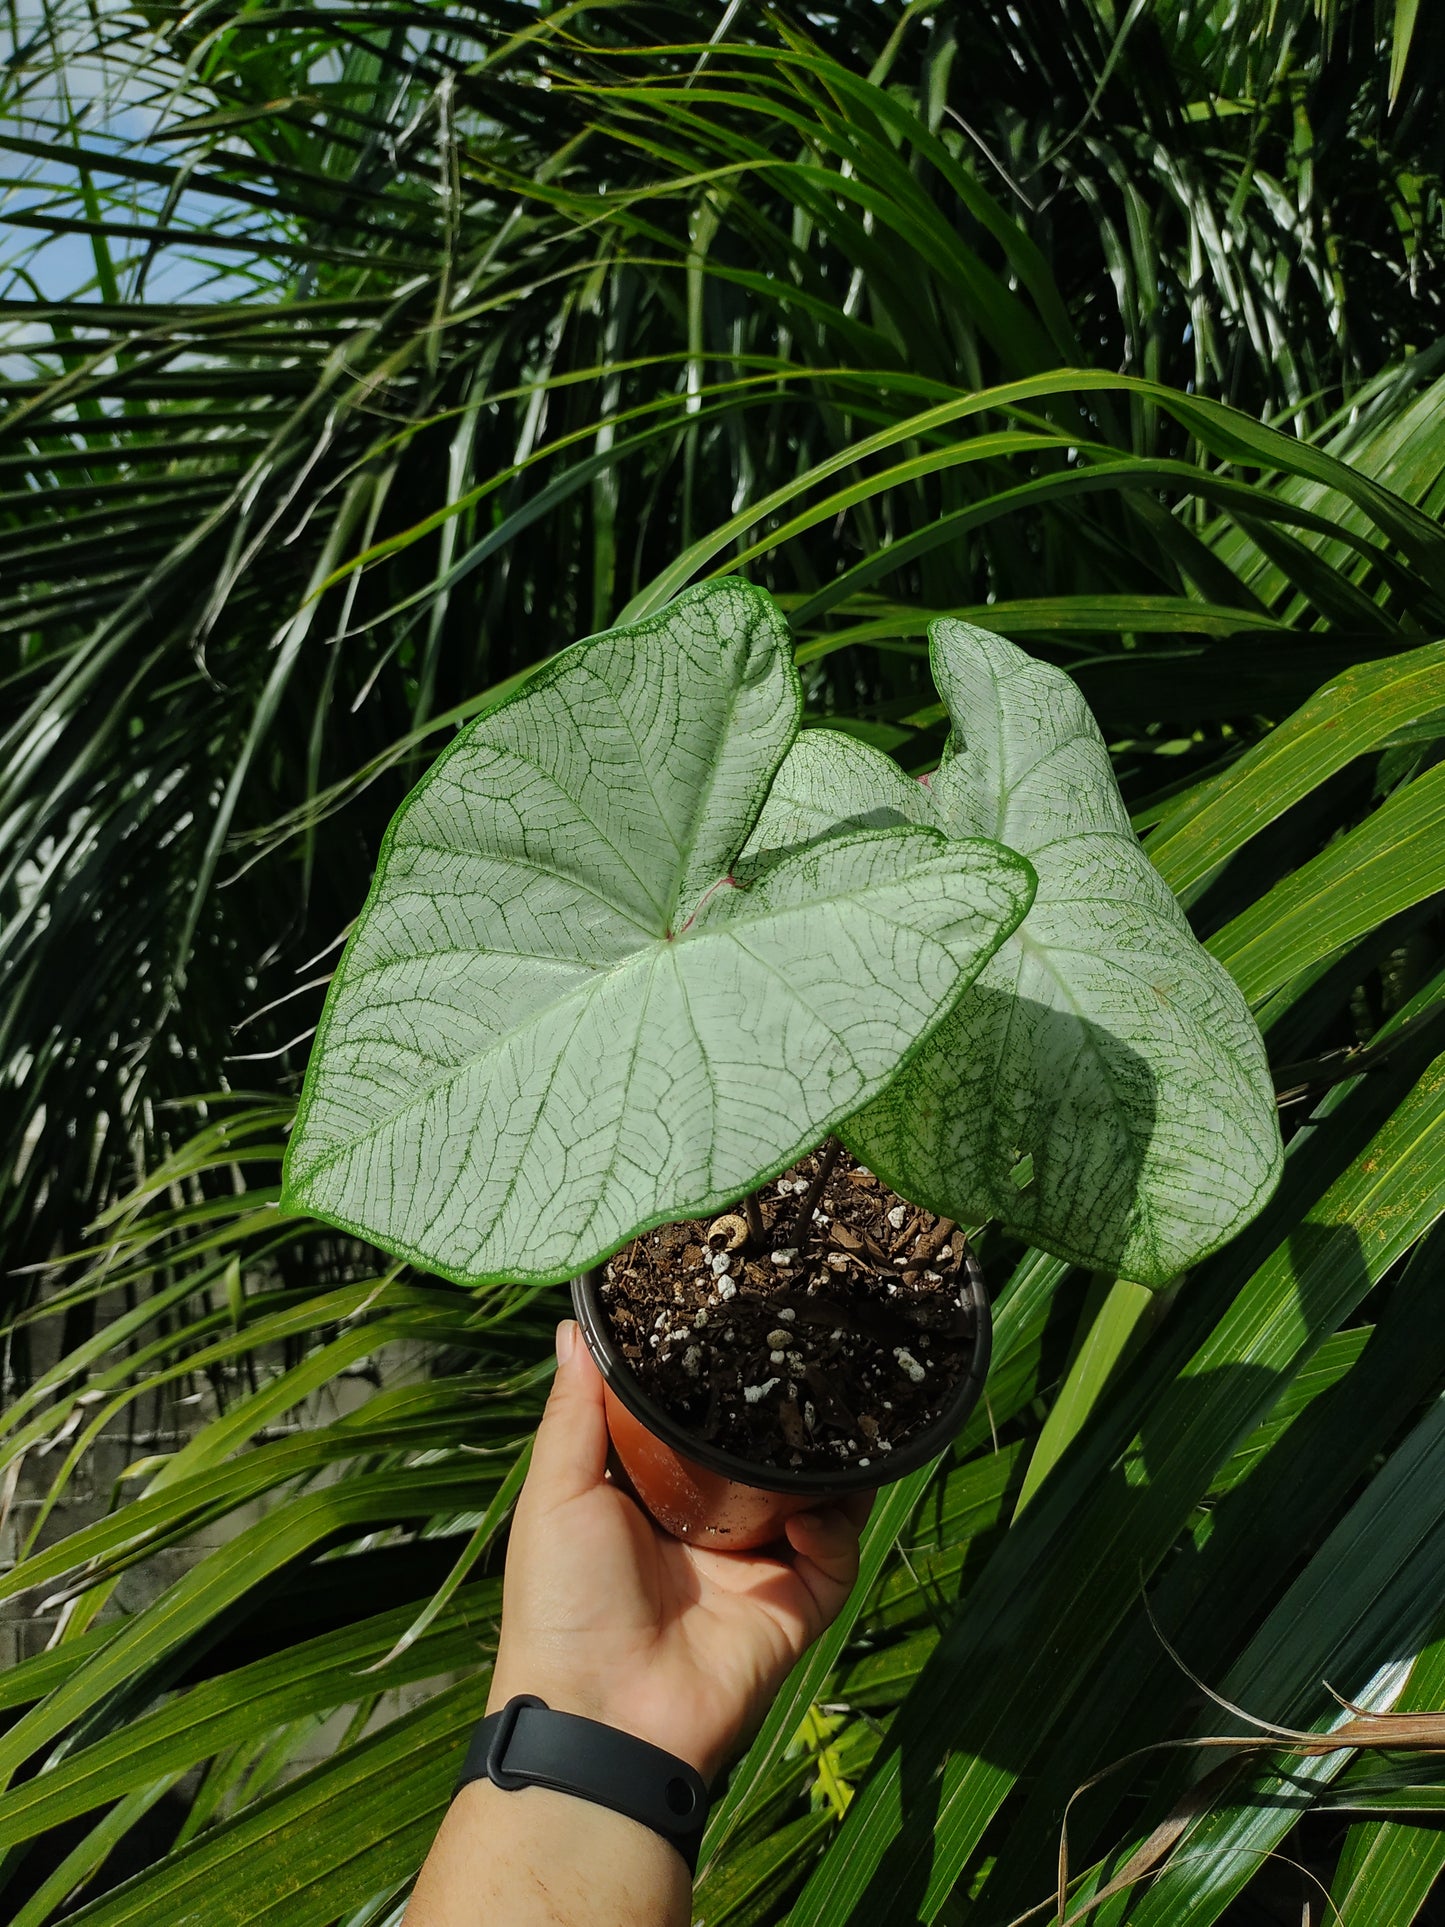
<point x="791" y="1420"/>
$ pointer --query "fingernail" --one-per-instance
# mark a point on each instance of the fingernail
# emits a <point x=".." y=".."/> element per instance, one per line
<point x="566" y="1340"/>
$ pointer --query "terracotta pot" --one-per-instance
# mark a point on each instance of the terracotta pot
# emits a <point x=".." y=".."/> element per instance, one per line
<point x="710" y="1497"/>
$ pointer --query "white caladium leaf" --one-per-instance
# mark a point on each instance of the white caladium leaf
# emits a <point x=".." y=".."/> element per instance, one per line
<point x="562" y="1019"/>
<point x="1101" y="1088"/>
<point x="828" y="784"/>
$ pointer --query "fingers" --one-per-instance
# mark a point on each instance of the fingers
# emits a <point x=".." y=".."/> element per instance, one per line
<point x="826" y="1544"/>
<point x="858" y="1505"/>
<point x="569" y="1455"/>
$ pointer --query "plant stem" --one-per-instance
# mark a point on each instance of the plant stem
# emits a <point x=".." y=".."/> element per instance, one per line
<point x="757" y="1230"/>
<point x="827" y="1159"/>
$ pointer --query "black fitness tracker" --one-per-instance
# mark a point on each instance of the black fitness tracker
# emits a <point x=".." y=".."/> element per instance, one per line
<point x="527" y="1744"/>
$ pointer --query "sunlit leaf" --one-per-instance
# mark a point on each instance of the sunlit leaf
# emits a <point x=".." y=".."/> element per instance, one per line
<point x="562" y="1020"/>
<point x="1102" y="1088"/>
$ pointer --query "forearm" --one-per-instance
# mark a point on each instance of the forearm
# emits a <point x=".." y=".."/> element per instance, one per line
<point x="535" y="1858"/>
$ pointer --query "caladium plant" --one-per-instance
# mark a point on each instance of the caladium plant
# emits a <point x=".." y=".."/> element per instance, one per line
<point x="1100" y="1086"/>
<point x="635" y="944"/>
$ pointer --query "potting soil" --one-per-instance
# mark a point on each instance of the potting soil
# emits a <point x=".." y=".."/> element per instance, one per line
<point x="826" y="1344"/>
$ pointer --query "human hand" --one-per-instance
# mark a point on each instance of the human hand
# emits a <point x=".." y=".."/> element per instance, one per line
<point x="605" y="1615"/>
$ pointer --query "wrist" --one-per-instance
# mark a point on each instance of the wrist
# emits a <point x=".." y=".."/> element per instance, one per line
<point x="542" y="1859"/>
<point x="562" y="1689"/>
<point x="617" y="1703"/>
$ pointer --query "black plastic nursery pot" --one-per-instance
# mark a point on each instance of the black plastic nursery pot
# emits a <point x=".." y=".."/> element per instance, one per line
<point x="714" y="1498"/>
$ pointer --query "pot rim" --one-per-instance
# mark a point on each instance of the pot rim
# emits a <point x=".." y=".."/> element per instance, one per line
<point x="846" y="1477"/>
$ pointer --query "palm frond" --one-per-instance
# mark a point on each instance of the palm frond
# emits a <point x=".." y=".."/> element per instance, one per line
<point x="356" y="359"/>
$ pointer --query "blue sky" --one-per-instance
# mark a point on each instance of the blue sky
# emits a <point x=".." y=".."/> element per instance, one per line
<point x="110" y="105"/>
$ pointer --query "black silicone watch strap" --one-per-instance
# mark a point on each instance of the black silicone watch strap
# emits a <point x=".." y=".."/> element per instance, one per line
<point x="527" y="1744"/>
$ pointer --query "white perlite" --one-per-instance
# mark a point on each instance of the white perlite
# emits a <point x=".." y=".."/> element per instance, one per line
<point x="897" y="1215"/>
<point x="752" y="1393"/>
<point x="692" y="1360"/>
<point x="910" y="1364"/>
<point x="727" y="1288"/>
<point x="779" y="1338"/>
<point x="722" y="1264"/>
<point x="784" y="1255"/>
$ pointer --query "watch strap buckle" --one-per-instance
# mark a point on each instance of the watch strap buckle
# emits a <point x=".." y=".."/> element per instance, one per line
<point x="500" y="1738"/>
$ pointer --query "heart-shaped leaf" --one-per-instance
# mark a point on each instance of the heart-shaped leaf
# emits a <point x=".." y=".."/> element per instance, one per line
<point x="561" y="1019"/>
<point x="1101" y="1088"/>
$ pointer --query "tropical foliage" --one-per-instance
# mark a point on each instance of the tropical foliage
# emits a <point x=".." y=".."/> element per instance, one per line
<point x="634" y="946"/>
<point x="359" y="357"/>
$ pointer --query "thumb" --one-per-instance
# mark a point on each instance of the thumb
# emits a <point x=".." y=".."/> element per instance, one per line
<point x="825" y="1545"/>
<point x="569" y="1455"/>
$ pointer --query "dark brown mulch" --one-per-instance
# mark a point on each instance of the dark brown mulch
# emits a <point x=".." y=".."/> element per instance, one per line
<point x="809" y="1350"/>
